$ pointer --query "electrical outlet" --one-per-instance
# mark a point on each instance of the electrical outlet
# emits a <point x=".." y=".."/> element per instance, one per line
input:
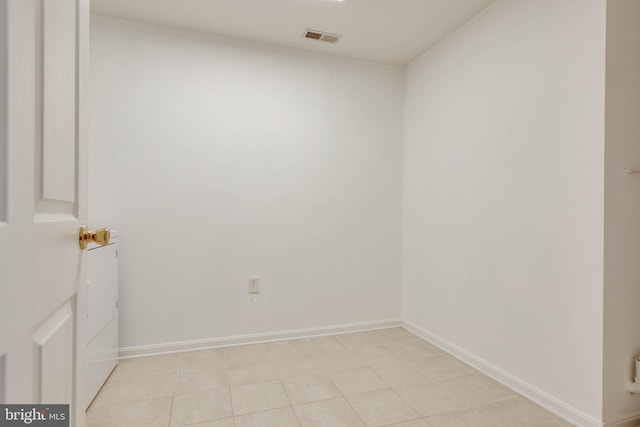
<point x="254" y="285"/>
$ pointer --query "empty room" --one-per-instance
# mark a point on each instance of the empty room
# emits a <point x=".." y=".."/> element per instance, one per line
<point x="320" y="213"/>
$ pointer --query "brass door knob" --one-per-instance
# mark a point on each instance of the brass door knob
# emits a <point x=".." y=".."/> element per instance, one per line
<point x="100" y="236"/>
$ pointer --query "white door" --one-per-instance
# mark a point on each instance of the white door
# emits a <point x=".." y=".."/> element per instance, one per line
<point x="43" y="81"/>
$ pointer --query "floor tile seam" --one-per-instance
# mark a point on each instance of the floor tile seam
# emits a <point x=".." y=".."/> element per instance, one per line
<point x="318" y="400"/>
<point x="346" y="399"/>
<point x="275" y="371"/>
<point x="405" y="400"/>
<point x="111" y="407"/>
<point x="280" y="360"/>
<point x="171" y="410"/>
<point x="295" y="414"/>
<point x="177" y="377"/>
<point x="236" y="365"/>
<point x="342" y="396"/>
<point x="444" y="379"/>
<point x="226" y="372"/>
<point x="233" y="412"/>
<point x="407" y="403"/>
<point x="260" y="411"/>
<point x="253" y="382"/>
<point x="372" y="368"/>
<point x="175" y="386"/>
<point x="202" y="422"/>
<point x="257" y="382"/>
<point x="203" y="391"/>
<point x="205" y="365"/>
<point x="412" y="360"/>
<point x="280" y="377"/>
<point x="392" y="386"/>
<point x="417" y="367"/>
<point x="230" y="362"/>
<point x="388" y="387"/>
<point x="419" y="417"/>
<point x="142" y="399"/>
<point x="470" y="408"/>
<point x="368" y="367"/>
<point x="250" y="364"/>
<point x="548" y="414"/>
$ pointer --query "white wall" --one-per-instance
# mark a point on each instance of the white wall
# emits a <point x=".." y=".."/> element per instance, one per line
<point x="622" y="208"/>
<point x="503" y="195"/>
<point x="219" y="159"/>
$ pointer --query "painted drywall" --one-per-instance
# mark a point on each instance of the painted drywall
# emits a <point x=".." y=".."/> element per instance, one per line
<point x="503" y="195"/>
<point x="622" y="209"/>
<point x="219" y="159"/>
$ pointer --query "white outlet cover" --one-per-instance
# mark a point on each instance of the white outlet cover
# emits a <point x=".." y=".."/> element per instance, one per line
<point x="254" y="285"/>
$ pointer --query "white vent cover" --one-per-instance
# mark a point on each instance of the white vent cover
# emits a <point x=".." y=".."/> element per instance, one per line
<point x="321" y="36"/>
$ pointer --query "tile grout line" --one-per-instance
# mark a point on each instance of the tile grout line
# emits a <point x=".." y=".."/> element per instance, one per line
<point x="318" y="357"/>
<point x="477" y="373"/>
<point x="175" y="389"/>
<point x="368" y="365"/>
<point x="351" y="405"/>
<point x="326" y="373"/>
<point x="446" y="413"/>
<point x="233" y="412"/>
<point x="394" y="390"/>
<point x="290" y="402"/>
<point x="205" y="390"/>
<point x="226" y="368"/>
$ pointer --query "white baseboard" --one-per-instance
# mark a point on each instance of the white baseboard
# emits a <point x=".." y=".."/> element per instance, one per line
<point x="543" y="399"/>
<point x="177" y="347"/>
<point x="632" y="420"/>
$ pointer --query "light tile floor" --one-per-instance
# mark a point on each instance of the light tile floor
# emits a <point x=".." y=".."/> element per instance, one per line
<point x="379" y="378"/>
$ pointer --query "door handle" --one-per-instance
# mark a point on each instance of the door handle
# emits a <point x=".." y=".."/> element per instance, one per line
<point x="101" y="236"/>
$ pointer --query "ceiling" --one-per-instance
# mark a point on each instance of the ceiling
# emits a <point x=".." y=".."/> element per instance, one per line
<point x="387" y="31"/>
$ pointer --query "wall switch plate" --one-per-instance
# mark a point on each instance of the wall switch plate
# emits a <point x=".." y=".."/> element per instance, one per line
<point x="254" y="285"/>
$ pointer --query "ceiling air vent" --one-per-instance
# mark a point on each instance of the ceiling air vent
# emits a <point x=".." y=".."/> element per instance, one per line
<point x="322" y="36"/>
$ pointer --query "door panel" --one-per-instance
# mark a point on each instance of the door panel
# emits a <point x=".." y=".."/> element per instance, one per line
<point x="58" y="91"/>
<point x="3" y="112"/>
<point x="54" y="354"/>
<point x="43" y="177"/>
<point x="15" y="253"/>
